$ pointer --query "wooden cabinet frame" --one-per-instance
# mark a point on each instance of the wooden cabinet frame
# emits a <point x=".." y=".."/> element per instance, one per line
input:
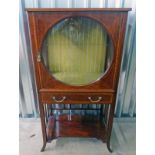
<point x="105" y="89"/>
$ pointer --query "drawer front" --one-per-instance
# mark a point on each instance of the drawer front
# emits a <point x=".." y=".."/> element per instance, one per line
<point x="81" y="98"/>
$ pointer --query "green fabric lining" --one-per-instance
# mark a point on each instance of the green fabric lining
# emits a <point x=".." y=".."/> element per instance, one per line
<point x="77" y="57"/>
<point x="76" y="78"/>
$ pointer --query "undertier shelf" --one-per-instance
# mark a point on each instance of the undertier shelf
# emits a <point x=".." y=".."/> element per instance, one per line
<point x="75" y="126"/>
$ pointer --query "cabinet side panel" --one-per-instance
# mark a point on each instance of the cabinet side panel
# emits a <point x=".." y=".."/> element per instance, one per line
<point x="34" y="47"/>
<point x="119" y="48"/>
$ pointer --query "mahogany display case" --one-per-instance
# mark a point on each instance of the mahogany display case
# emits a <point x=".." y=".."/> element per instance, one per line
<point x="77" y="57"/>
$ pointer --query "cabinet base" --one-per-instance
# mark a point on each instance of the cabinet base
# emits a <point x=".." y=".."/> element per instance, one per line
<point x="75" y="126"/>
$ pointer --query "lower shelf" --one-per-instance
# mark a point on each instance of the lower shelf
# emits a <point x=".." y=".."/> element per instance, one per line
<point x="75" y="126"/>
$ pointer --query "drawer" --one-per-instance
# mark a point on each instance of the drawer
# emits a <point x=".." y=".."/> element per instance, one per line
<point x="71" y="98"/>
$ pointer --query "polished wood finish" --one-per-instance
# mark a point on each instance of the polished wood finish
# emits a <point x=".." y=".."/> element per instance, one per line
<point x="76" y="9"/>
<point x="76" y="91"/>
<point x="40" y="23"/>
<point x="51" y="91"/>
<point x="74" y="98"/>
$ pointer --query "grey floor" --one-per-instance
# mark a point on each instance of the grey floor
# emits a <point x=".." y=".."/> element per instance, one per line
<point x="123" y="141"/>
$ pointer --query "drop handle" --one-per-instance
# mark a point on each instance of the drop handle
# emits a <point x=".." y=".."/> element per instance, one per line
<point x="61" y="100"/>
<point x="95" y="101"/>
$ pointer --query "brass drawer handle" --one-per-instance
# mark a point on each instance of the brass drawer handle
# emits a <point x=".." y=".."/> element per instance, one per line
<point x="63" y="98"/>
<point x="94" y="101"/>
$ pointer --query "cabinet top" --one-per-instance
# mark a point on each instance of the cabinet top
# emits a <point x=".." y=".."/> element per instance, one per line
<point x="77" y="9"/>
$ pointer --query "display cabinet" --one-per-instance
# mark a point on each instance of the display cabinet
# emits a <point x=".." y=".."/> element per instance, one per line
<point x="77" y="56"/>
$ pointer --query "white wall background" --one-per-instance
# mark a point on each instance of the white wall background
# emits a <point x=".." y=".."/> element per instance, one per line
<point x="126" y="97"/>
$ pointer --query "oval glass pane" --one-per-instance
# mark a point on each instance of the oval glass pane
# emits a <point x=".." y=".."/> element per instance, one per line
<point x="77" y="51"/>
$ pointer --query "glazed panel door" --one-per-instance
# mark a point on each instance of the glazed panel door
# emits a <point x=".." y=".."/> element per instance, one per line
<point x="77" y="50"/>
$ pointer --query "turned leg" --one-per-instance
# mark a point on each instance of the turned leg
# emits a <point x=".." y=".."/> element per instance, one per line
<point x="43" y="126"/>
<point x="109" y="126"/>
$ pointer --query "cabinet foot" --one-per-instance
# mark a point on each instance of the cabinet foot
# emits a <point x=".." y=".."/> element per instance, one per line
<point x="43" y="148"/>
<point x="109" y="147"/>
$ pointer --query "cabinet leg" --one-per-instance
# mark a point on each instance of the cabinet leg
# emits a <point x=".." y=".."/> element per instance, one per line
<point x="106" y="111"/>
<point x="43" y="126"/>
<point x="109" y="147"/>
<point x="50" y="128"/>
<point x="109" y="126"/>
<point x="43" y="147"/>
